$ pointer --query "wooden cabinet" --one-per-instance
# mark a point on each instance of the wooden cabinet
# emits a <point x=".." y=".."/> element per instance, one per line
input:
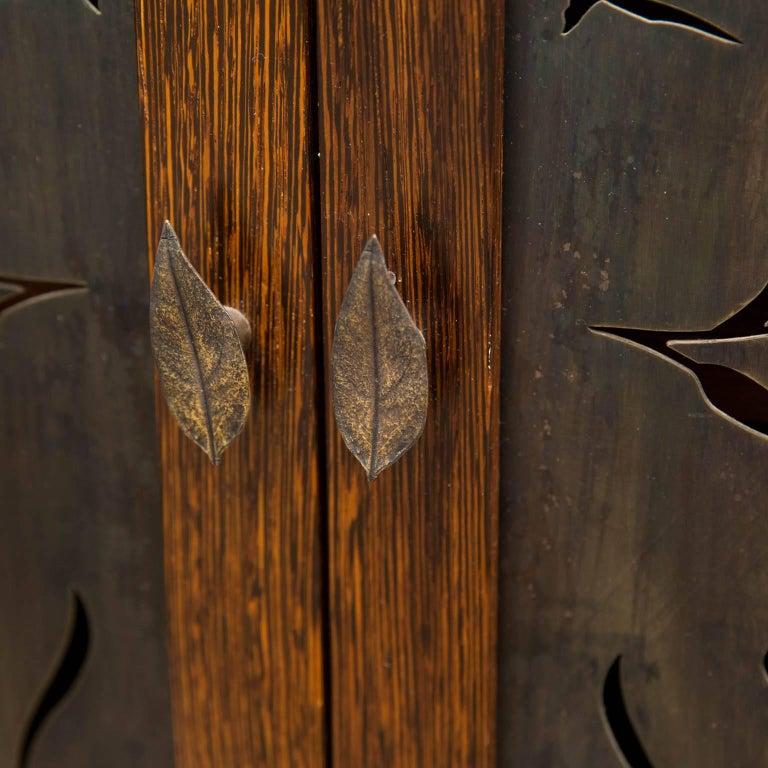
<point x="566" y="568"/>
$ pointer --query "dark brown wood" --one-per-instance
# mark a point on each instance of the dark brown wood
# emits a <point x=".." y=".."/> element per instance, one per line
<point x="80" y="504"/>
<point x="410" y="99"/>
<point x="224" y="94"/>
<point x="633" y="515"/>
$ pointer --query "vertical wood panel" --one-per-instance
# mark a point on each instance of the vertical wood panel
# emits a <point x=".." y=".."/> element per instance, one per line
<point x="80" y="504"/>
<point x="633" y="514"/>
<point x="410" y="99"/>
<point x="224" y="93"/>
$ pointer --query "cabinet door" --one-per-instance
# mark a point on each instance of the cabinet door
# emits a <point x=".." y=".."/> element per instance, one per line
<point x="225" y="99"/>
<point x="311" y="618"/>
<point x="279" y="141"/>
<point x="633" y="623"/>
<point x="410" y="114"/>
<point x="80" y="505"/>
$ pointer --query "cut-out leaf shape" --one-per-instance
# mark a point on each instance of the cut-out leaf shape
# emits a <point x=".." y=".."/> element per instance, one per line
<point x="18" y="291"/>
<point x="64" y="676"/>
<point x="379" y="367"/>
<point x="651" y="12"/>
<point x="729" y="361"/>
<point x="197" y="351"/>
<point x="625" y="739"/>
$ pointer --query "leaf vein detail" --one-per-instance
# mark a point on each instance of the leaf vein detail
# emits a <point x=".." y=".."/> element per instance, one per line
<point x="376" y="363"/>
<point x="196" y="357"/>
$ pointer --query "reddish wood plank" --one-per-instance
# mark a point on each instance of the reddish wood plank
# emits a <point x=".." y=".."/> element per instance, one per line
<point x="224" y="93"/>
<point x="410" y="99"/>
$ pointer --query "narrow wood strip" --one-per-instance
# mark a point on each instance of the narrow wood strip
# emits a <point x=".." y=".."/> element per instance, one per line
<point x="224" y="94"/>
<point x="410" y="96"/>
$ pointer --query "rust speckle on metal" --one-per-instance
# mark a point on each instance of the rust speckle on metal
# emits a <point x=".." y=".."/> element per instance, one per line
<point x="198" y="351"/>
<point x="379" y="367"/>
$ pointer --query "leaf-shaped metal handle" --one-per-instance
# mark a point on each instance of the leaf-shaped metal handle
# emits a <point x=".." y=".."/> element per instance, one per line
<point x="379" y="367"/>
<point x="198" y="349"/>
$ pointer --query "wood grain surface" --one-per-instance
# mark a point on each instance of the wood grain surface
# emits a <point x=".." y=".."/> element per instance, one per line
<point x="410" y="111"/>
<point x="633" y="515"/>
<point x="224" y="96"/>
<point x="80" y="501"/>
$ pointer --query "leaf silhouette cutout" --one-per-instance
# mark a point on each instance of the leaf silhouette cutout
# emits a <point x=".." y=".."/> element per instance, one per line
<point x="623" y="735"/>
<point x="63" y="678"/>
<point x="197" y="351"/>
<point x="650" y="12"/>
<point x="16" y="292"/>
<point x="379" y="367"/>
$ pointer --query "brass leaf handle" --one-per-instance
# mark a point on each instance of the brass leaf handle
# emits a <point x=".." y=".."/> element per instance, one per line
<point x="198" y="348"/>
<point x="379" y="367"/>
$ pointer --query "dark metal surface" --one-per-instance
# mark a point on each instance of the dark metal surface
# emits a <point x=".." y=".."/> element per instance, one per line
<point x="198" y="352"/>
<point x="379" y="367"/>
<point x="633" y="515"/>
<point x="79" y="486"/>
